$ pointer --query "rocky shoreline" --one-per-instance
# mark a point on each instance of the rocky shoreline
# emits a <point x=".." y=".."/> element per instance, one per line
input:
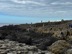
<point x="41" y="38"/>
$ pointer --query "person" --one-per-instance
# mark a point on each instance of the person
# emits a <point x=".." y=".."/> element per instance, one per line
<point x="70" y="25"/>
<point x="63" y="36"/>
<point x="28" y="29"/>
<point x="68" y="33"/>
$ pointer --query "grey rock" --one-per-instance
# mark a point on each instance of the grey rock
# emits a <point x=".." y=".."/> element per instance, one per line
<point x="69" y="51"/>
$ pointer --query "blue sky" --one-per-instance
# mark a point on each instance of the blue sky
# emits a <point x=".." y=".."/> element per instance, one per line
<point x="27" y="11"/>
<point x="8" y="19"/>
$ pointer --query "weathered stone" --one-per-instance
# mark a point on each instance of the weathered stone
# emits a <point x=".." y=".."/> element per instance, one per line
<point x="49" y="53"/>
<point x="57" y="35"/>
<point x="69" y="51"/>
<point x="58" y="46"/>
<point x="69" y="38"/>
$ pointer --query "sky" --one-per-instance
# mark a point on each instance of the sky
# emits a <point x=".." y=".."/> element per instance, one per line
<point x="27" y="11"/>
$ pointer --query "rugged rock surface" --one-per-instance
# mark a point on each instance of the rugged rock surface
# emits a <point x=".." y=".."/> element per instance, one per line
<point x="69" y="51"/>
<point x="12" y="47"/>
<point x="59" y="46"/>
<point x="69" y="38"/>
<point x="39" y="38"/>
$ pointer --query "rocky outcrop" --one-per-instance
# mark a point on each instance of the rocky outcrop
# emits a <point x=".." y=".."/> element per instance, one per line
<point x="12" y="47"/>
<point x="59" y="46"/>
<point x="69" y="38"/>
<point x="69" y="51"/>
<point x="44" y="43"/>
<point x="52" y="38"/>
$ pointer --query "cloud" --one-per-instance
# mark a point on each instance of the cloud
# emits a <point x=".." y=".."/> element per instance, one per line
<point x="37" y="8"/>
<point x="61" y="11"/>
<point x="28" y="2"/>
<point x="61" y="3"/>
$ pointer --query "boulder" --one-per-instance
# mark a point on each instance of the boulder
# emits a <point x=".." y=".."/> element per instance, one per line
<point x="46" y="42"/>
<point x="25" y="39"/>
<point x="69" y="51"/>
<point x="57" y="34"/>
<point x="58" y="46"/>
<point x="69" y="38"/>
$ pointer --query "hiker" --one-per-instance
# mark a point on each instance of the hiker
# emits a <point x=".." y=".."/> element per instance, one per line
<point x="63" y="36"/>
<point x="70" y="25"/>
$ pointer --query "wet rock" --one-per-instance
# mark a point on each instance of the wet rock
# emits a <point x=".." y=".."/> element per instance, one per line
<point x="11" y="37"/>
<point x="58" y="46"/>
<point x="46" y="42"/>
<point x="25" y="39"/>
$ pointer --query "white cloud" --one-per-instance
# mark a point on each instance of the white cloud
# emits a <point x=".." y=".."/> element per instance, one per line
<point x="61" y="12"/>
<point x="61" y="3"/>
<point x="49" y="8"/>
<point x="4" y="6"/>
<point x="28" y="2"/>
